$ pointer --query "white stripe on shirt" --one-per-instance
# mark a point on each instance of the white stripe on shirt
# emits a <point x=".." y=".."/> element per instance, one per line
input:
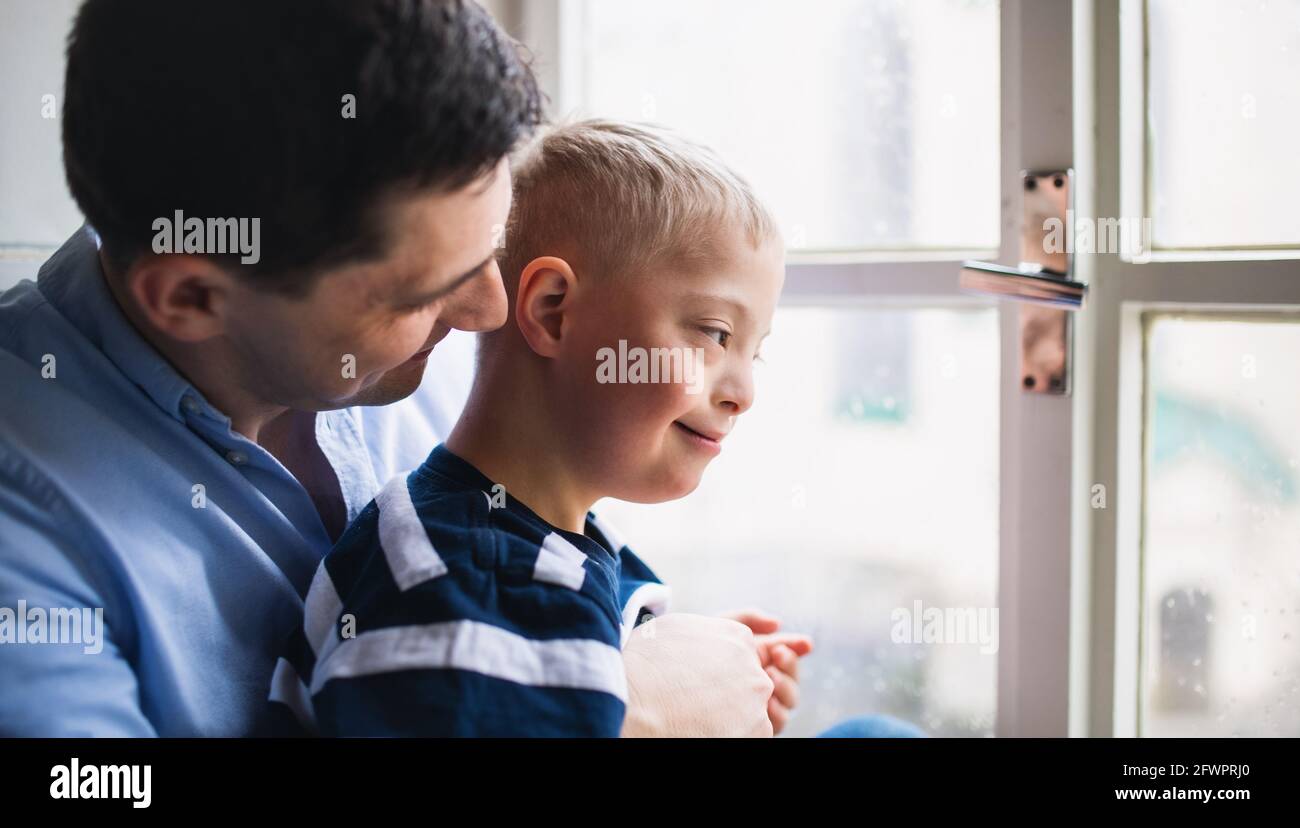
<point x="580" y="663"/>
<point x="651" y="596"/>
<point x="321" y="612"/>
<point x="560" y="562"/>
<point x="411" y="556"/>
<point x="287" y="689"/>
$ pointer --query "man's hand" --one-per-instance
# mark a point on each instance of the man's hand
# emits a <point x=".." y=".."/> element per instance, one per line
<point x="779" y="654"/>
<point x="692" y="675"/>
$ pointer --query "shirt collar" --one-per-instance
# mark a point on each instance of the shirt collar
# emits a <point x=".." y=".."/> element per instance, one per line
<point x="444" y="463"/>
<point x="73" y="282"/>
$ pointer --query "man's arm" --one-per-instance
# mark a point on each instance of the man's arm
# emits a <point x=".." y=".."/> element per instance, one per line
<point x="51" y="689"/>
<point x="693" y="675"/>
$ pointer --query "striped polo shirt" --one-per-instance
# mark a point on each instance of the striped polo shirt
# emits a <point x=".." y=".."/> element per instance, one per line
<point x="448" y="608"/>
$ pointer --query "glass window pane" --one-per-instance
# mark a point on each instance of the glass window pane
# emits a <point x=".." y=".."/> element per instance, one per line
<point x="1224" y="98"/>
<point x="1221" y="570"/>
<point x="866" y="124"/>
<point x="857" y="495"/>
<point x="36" y="208"/>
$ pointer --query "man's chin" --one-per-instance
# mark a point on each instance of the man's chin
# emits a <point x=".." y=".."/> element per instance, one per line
<point x="393" y="385"/>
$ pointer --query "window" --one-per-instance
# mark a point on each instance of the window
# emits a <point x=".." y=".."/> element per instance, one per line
<point x="1221" y="597"/>
<point x="1224" y="103"/>
<point x="36" y="209"/>
<point x="1194" y="580"/>
<point x="865" y="124"/>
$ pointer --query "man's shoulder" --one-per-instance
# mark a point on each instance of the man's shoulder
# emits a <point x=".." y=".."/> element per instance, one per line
<point x="25" y="348"/>
<point x="43" y="421"/>
<point x="56" y="382"/>
<point x="17" y="306"/>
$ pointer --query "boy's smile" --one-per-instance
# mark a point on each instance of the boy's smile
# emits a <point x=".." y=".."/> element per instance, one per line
<point x="703" y="442"/>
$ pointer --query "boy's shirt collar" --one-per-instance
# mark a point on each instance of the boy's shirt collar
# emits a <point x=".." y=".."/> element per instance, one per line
<point x="450" y="466"/>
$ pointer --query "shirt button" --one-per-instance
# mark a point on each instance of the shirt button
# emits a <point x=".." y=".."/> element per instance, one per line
<point x="190" y="404"/>
<point x="237" y="458"/>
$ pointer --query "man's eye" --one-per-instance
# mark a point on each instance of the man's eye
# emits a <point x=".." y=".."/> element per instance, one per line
<point x="417" y="307"/>
<point x="718" y="335"/>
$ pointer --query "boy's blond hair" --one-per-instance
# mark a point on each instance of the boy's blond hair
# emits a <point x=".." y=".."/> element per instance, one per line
<point x="617" y="198"/>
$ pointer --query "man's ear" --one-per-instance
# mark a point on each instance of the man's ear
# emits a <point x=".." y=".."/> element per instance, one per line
<point x="184" y="297"/>
<point x="544" y="296"/>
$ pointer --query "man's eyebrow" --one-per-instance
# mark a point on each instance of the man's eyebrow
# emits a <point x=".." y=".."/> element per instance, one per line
<point x="455" y="283"/>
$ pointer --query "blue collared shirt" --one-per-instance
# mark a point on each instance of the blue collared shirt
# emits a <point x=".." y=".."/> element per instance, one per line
<point x="123" y="490"/>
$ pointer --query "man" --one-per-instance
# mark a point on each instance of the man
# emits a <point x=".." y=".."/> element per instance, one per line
<point x="292" y="203"/>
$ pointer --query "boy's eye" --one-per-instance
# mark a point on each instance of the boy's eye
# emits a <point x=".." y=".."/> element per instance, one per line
<point x="718" y="335"/>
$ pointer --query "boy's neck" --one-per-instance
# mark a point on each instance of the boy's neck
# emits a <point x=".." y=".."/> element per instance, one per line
<point x="505" y="432"/>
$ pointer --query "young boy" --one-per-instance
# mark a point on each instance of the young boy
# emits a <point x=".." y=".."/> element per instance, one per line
<point x="479" y="595"/>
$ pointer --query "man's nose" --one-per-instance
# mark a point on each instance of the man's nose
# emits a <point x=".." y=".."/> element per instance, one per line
<point x="480" y="305"/>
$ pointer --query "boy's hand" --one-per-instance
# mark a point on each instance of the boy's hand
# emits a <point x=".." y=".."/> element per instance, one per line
<point x="779" y="654"/>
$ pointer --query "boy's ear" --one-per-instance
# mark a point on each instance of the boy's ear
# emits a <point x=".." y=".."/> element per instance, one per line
<point x="545" y="291"/>
<point x="181" y="296"/>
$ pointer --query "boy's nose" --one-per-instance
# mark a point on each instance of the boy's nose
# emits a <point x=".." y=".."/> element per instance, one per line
<point x="735" y="392"/>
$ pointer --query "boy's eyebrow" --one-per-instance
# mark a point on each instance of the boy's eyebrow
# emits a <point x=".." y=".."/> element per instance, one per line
<point x="736" y="304"/>
<point x="455" y="283"/>
<point x="726" y="300"/>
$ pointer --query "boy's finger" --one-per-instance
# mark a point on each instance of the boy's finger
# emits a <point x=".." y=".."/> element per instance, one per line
<point x="785" y="659"/>
<point x="801" y="644"/>
<point x="778" y="714"/>
<point x="756" y="620"/>
<point x="784" y="688"/>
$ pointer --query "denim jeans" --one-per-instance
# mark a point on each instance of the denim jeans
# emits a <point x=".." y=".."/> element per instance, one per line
<point x="872" y="727"/>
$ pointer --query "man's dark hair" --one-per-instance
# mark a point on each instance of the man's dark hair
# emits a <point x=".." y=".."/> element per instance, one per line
<point x="235" y="108"/>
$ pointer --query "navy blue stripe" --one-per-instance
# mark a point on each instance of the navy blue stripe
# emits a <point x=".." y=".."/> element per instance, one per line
<point x="461" y="703"/>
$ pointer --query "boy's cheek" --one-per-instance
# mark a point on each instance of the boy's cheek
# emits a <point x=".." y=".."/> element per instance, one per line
<point x="639" y="416"/>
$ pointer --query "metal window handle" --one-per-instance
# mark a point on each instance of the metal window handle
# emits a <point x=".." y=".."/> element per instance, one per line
<point x="1038" y="286"/>
<point x="1043" y="281"/>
